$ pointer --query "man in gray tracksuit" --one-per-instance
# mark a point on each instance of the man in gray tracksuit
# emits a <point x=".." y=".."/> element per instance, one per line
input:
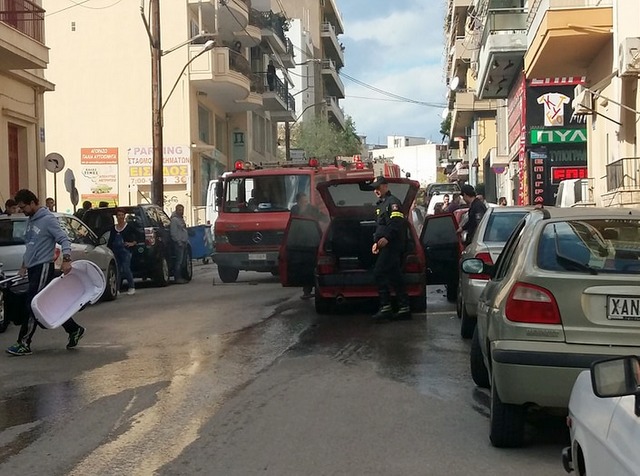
<point x="42" y="233"/>
<point x="180" y="239"/>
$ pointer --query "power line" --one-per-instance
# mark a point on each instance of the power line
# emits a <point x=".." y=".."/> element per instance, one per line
<point x="82" y="4"/>
<point x="395" y="100"/>
<point x="390" y="94"/>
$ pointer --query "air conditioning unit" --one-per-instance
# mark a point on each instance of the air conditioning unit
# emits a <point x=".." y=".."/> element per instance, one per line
<point x="629" y="57"/>
<point x="582" y="100"/>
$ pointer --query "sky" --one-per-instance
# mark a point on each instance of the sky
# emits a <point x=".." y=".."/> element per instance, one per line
<point x="395" y="46"/>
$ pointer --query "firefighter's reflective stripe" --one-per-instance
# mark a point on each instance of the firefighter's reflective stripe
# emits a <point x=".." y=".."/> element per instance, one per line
<point x="397" y="215"/>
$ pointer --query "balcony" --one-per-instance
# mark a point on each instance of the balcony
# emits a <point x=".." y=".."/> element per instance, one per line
<point x="334" y="111"/>
<point x="225" y="76"/>
<point x="466" y="107"/>
<point x="22" y="36"/>
<point x="278" y="101"/>
<point x="272" y="29"/>
<point x="332" y="15"/>
<point x="623" y="183"/>
<point x="332" y="81"/>
<point x="333" y="49"/>
<point x="504" y="42"/>
<point x="233" y="16"/>
<point x="565" y="35"/>
<point x="459" y="57"/>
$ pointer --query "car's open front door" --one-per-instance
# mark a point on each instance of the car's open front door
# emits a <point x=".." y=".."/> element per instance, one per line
<point x="299" y="251"/>
<point x="441" y="248"/>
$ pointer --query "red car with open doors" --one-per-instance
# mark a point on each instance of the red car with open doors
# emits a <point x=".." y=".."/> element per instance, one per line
<point x="336" y="255"/>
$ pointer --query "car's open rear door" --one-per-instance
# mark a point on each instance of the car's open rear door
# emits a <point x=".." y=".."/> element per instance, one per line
<point x="442" y="248"/>
<point x="299" y="251"/>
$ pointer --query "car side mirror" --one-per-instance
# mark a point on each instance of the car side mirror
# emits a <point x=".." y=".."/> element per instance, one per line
<point x="616" y="377"/>
<point x="102" y="241"/>
<point x="477" y="266"/>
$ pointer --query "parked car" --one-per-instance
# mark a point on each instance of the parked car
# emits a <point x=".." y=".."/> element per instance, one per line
<point x="154" y="255"/>
<point x="491" y="235"/>
<point x="563" y="294"/>
<point x="85" y="245"/>
<point x="604" y="419"/>
<point x="441" y="189"/>
<point x="337" y="256"/>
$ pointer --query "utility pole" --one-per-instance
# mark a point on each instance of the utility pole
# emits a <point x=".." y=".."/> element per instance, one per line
<point x="157" y="184"/>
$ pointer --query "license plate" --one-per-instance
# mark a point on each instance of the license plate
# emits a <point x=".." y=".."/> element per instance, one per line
<point x="623" y="308"/>
<point x="257" y="257"/>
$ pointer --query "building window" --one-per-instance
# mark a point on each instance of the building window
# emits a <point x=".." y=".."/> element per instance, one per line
<point x="221" y="135"/>
<point x="204" y="124"/>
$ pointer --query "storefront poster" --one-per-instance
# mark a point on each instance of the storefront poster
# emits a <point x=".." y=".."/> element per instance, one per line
<point x="176" y="165"/>
<point x="98" y="180"/>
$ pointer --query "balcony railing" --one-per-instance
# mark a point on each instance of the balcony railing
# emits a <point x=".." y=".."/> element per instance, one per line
<point x="239" y="63"/>
<point x="280" y="88"/>
<point x="504" y="21"/>
<point x="25" y="16"/>
<point x="268" y="20"/>
<point x="537" y="5"/>
<point x="623" y="174"/>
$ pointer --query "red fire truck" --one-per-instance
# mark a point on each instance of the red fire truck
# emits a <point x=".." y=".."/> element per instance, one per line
<point x="253" y="210"/>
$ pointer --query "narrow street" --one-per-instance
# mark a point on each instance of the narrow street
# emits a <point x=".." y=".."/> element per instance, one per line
<point x="245" y="378"/>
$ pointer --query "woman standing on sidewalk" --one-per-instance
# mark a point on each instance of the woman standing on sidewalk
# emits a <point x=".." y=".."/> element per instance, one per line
<point x="122" y="240"/>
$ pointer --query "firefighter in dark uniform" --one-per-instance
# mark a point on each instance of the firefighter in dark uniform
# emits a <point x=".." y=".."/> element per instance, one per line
<point x="389" y="241"/>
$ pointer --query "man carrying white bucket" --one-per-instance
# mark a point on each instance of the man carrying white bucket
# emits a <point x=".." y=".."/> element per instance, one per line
<point x="42" y="233"/>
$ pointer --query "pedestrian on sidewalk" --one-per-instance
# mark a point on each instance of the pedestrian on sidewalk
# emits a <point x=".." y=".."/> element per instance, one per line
<point x="42" y="233"/>
<point x="180" y="239"/>
<point x="122" y="240"/>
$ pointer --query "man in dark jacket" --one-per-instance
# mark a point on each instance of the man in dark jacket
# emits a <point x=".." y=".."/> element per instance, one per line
<point x="476" y="211"/>
<point x="389" y="241"/>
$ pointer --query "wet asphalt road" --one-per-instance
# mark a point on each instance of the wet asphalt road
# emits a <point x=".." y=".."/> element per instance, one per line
<point x="244" y="379"/>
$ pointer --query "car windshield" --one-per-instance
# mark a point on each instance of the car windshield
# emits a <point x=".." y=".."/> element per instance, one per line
<point x="265" y="193"/>
<point x="12" y="232"/>
<point x="591" y="246"/>
<point x="500" y="226"/>
<point x="355" y="195"/>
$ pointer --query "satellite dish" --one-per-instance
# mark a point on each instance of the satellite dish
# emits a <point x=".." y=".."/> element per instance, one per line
<point x="455" y="82"/>
<point x="54" y="162"/>
<point x="69" y="180"/>
<point x="445" y="113"/>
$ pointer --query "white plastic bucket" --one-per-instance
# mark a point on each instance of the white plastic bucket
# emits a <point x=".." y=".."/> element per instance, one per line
<point x="65" y="295"/>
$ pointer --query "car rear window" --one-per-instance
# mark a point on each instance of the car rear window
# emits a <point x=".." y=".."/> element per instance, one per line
<point x="12" y="232"/>
<point x="355" y="195"/>
<point x="500" y="226"/>
<point x="591" y="246"/>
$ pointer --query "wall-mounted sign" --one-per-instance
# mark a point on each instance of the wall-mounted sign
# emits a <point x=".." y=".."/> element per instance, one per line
<point x="176" y="161"/>
<point x="557" y="136"/>
<point x="538" y="161"/>
<point x="549" y="107"/>
<point x="98" y="180"/>
<point x="558" y="174"/>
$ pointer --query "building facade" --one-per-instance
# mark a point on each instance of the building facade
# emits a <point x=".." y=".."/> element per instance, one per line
<point x="24" y="57"/>
<point x="420" y="161"/>
<point x="220" y="104"/>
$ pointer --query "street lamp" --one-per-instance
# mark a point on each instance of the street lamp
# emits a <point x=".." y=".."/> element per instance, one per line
<point x="153" y="32"/>
<point x="206" y="47"/>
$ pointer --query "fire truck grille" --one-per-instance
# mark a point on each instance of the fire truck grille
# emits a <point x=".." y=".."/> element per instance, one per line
<point x="253" y="238"/>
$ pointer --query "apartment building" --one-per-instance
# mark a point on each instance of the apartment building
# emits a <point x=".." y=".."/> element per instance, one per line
<point x="316" y="26"/>
<point x="23" y="58"/>
<point x="571" y="103"/>
<point x="219" y="103"/>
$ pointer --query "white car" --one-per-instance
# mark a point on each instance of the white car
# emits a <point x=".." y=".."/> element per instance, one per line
<point x="604" y="420"/>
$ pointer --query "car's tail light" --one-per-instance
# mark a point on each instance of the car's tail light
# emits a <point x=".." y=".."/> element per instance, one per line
<point x="532" y="304"/>
<point x="149" y="236"/>
<point x="326" y="264"/>
<point x="412" y="264"/>
<point x="486" y="258"/>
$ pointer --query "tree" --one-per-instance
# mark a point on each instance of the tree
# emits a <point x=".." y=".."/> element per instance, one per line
<point x="321" y="139"/>
<point x="445" y="126"/>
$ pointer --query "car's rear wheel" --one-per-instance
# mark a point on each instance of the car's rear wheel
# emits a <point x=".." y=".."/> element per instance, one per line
<point x="419" y="303"/>
<point x="467" y="323"/>
<point x="506" y="421"/>
<point x="111" y="287"/>
<point x="162" y="273"/>
<point x="4" y="319"/>
<point x="228" y="274"/>
<point x="187" y="268"/>
<point x="479" y="372"/>
<point x="322" y="305"/>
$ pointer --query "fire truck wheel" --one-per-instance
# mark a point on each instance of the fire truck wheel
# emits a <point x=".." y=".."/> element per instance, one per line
<point x="228" y="274"/>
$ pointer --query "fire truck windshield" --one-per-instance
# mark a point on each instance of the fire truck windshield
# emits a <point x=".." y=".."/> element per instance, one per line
<point x="264" y="193"/>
